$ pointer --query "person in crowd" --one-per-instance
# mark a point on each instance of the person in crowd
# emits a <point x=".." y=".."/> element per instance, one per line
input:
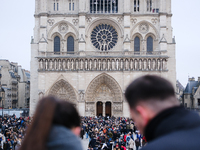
<point x="82" y="133"/>
<point x="55" y="126"/>
<point x="137" y="143"/>
<point x="159" y="116"/>
<point x="131" y="144"/>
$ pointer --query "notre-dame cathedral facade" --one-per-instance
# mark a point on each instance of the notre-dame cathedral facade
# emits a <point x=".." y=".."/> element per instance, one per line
<point x="88" y="51"/>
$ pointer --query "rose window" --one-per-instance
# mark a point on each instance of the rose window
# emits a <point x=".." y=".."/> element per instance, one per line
<point x="104" y="37"/>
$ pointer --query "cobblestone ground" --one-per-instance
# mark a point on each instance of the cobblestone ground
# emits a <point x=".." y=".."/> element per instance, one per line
<point x="85" y="143"/>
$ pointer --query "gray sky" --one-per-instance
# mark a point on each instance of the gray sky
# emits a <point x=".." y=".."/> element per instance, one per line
<point x="17" y="23"/>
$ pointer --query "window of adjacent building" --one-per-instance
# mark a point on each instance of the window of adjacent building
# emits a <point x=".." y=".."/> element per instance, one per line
<point x="198" y="102"/>
<point x="103" y="6"/>
<point x="149" y="44"/>
<point x="70" y="44"/>
<point x="137" y="44"/>
<point x="57" y="44"/>
<point x="136" y="5"/>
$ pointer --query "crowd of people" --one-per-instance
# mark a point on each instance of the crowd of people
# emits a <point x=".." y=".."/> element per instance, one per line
<point x="104" y="133"/>
<point x="12" y="131"/>
<point x="107" y="133"/>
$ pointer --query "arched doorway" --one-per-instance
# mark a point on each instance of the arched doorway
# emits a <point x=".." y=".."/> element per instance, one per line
<point x="104" y="88"/>
<point x="99" y="109"/>
<point x="108" y="109"/>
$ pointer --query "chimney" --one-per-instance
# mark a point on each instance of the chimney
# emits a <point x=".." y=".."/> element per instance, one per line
<point x="192" y="79"/>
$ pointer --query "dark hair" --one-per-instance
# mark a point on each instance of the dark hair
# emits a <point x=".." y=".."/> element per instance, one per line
<point x="49" y="111"/>
<point x="148" y="87"/>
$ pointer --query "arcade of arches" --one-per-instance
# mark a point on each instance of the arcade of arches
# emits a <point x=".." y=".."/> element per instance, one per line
<point x="103" y="96"/>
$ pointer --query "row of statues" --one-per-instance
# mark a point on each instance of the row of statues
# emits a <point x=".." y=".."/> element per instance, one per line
<point x="103" y="64"/>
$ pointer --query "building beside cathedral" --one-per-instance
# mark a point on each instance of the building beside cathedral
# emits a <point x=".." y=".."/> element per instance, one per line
<point x="88" y="51"/>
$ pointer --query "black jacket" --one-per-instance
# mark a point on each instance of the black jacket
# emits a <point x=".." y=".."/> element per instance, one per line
<point x="174" y="129"/>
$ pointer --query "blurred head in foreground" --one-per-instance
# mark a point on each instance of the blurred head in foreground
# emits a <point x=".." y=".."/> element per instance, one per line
<point x="51" y="112"/>
<point x="148" y="96"/>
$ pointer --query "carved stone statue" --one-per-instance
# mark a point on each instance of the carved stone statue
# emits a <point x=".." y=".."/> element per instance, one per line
<point x="64" y="64"/>
<point x="149" y="64"/>
<point x="68" y="64"/>
<point x="86" y="64"/>
<point x="77" y="65"/>
<point x="81" y="95"/>
<point x="95" y="64"/>
<point x="72" y="64"/>
<point x="131" y="64"/>
<point x="126" y="64"/>
<point x="164" y="64"/>
<point x="154" y="64"/>
<point x="41" y="64"/>
<point x="104" y="64"/>
<point x="55" y="64"/>
<point x="140" y="64"/>
<point x="158" y="61"/>
<point x="113" y="64"/>
<point x="117" y="64"/>
<point x="136" y="64"/>
<point x="46" y="64"/>
<point x="50" y="65"/>
<point x="99" y="64"/>
<point x="90" y="64"/>
<point x="81" y="65"/>
<point x="62" y="46"/>
<point x="121" y="64"/>
<point x="108" y="64"/>
<point x="59" y="64"/>
<point x="145" y="64"/>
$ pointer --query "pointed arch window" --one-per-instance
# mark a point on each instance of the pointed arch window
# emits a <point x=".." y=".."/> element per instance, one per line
<point x="137" y="44"/>
<point x="149" y="44"/>
<point x="70" y="44"/>
<point x="57" y="44"/>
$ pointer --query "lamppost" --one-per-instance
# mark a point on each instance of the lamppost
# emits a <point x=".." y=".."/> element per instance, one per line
<point x="1" y="94"/>
<point x="1" y="104"/>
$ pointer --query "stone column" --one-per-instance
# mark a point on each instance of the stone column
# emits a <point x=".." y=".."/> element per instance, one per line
<point x="104" y="109"/>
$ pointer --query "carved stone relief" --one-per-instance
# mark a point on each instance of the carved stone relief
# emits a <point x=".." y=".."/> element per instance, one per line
<point x="63" y="90"/>
<point x="143" y="28"/>
<point x="75" y="21"/>
<point x="63" y="27"/>
<point x="81" y="95"/>
<point x="51" y="22"/>
<point x="133" y="20"/>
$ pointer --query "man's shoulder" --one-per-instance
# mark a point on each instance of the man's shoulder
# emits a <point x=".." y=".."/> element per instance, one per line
<point x="183" y="139"/>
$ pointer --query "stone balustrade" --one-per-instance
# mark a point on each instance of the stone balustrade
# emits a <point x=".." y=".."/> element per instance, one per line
<point x="103" y="64"/>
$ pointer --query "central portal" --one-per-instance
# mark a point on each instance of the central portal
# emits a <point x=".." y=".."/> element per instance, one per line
<point x="103" y="97"/>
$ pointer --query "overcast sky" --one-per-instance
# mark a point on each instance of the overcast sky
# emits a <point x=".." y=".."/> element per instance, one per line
<point x="17" y="23"/>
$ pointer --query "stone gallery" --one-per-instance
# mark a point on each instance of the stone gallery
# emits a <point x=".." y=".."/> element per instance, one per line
<point x="88" y="51"/>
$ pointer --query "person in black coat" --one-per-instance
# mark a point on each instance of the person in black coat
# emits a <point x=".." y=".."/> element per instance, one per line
<point x="159" y="116"/>
<point x="82" y="133"/>
<point x="92" y="143"/>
